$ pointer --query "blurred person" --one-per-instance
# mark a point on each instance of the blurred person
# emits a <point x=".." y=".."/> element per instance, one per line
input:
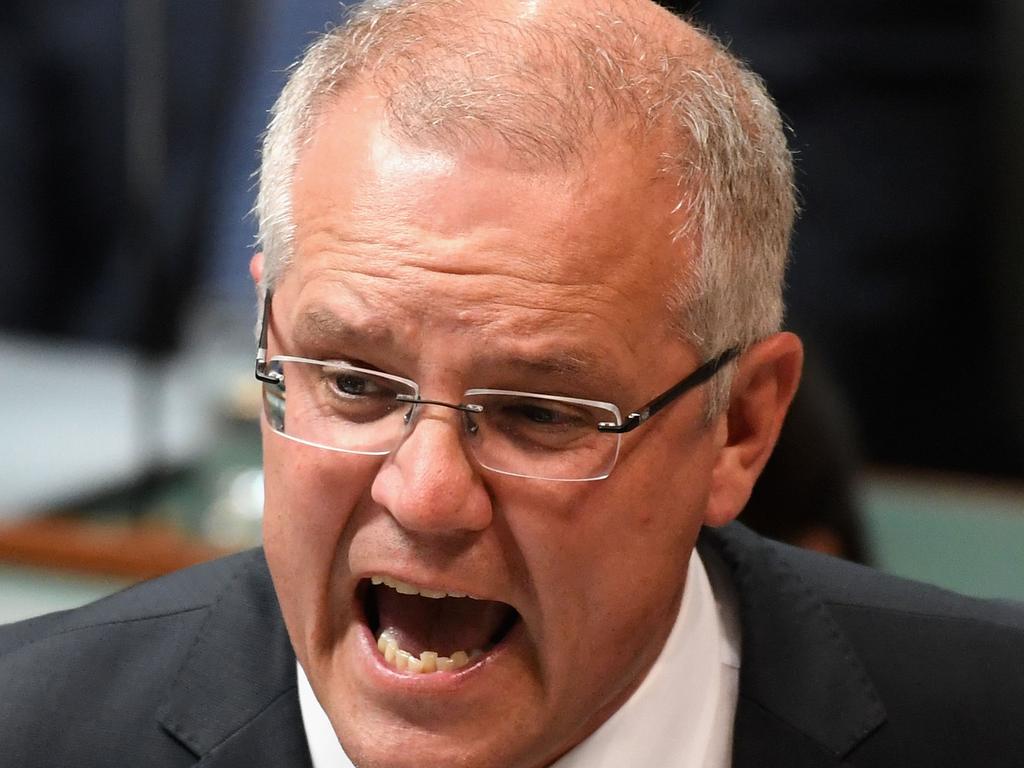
<point x="112" y="116"/>
<point x="520" y="348"/>
<point x="903" y="282"/>
<point x="278" y="32"/>
<point x="807" y="493"/>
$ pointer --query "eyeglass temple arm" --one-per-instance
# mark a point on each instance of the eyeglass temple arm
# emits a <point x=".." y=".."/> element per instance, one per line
<point x="268" y="377"/>
<point x="695" y="379"/>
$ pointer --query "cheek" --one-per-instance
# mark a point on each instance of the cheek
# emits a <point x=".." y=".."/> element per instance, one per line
<point x="601" y="562"/>
<point x="310" y="492"/>
<point x="310" y="495"/>
<point x="617" y="560"/>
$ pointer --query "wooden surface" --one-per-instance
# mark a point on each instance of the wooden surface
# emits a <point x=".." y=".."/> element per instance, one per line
<point x="132" y="550"/>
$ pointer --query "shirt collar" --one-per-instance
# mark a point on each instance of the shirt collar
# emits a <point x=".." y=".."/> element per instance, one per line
<point x="680" y="715"/>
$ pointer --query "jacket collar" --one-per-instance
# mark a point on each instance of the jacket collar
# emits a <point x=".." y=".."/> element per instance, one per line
<point x="804" y="692"/>
<point x="234" y="701"/>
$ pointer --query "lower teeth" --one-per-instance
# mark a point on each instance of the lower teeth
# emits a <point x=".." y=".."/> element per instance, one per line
<point x="427" y="662"/>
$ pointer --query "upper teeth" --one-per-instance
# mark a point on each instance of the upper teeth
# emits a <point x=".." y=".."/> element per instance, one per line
<point x="405" y="588"/>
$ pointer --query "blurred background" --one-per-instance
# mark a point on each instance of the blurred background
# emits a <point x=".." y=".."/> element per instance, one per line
<point x="128" y="138"/>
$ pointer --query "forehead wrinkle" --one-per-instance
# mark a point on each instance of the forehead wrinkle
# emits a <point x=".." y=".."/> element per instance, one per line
<point x="386" y="256"/>
<point x="485" y="319"/>
<point x="470" y="282"/>
<point x="321" y="327"/>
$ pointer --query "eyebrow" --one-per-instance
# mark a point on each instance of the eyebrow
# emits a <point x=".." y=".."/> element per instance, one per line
<point x="568" y="363"/>
<point x="320" y="329"/>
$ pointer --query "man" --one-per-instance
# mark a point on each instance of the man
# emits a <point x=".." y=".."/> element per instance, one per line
<point x="521" y="285"/>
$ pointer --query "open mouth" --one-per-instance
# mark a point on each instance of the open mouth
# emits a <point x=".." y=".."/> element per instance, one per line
<point x="424" y="631"/>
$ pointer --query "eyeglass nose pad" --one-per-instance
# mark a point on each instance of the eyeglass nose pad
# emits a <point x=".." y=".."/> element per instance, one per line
<point x="467" y="411"/>
<point x="275" y="410"/>
<point x="407" y="417"/>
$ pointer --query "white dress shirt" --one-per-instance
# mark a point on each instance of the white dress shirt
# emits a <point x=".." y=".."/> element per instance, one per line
<point x="681" y="715"/>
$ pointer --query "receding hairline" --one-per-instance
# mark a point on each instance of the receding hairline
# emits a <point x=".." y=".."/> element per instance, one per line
<point x="604" y="77"/>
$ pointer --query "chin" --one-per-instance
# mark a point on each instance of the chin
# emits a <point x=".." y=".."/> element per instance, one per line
<point x="409" y="747"/>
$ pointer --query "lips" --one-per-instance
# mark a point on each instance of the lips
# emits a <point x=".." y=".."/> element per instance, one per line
<point x="422" y="630"/>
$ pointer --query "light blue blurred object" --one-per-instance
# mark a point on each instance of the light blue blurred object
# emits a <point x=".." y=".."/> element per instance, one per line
<point x="29" y="592"/>
<point x="961" y="534"/>
<point x="73" y="426"/>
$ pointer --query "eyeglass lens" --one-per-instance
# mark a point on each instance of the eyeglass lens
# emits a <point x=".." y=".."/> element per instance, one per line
<point x="344" y="408"/>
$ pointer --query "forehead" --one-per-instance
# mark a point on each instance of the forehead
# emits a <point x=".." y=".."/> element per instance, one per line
<point x="472" y="238"/>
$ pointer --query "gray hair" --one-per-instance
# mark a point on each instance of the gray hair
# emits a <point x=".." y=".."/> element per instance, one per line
<point x="451" y="75"/>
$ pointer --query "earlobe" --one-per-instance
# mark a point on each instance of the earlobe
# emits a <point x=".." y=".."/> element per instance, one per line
<point x="256" y="268"/>
<point x="766" y="379"/>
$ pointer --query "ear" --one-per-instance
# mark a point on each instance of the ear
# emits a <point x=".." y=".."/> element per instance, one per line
<point x="256" y="268"/>
<point x="763" y="386"/>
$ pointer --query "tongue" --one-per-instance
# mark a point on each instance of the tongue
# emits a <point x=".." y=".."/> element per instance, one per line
<point x="443" y="625"/>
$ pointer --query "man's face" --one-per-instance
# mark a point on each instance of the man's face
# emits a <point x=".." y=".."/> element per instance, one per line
<point x="456" y="272"/>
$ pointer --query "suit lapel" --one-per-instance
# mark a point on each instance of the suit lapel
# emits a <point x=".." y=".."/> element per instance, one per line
<point x="805" y="698"/>
<point x="234" y="701"/>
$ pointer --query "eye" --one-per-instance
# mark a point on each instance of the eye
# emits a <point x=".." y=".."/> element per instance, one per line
<point x="356" y="396"/>
<point x="536" y="416"/>
<point x="355" y="385"/>
<point x="541" y="415"/>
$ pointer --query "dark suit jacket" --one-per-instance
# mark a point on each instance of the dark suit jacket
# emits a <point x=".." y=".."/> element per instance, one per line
<point x="841" y="666"/>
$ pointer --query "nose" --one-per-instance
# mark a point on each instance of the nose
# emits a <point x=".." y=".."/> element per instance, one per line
<point x="429" y="484"/>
